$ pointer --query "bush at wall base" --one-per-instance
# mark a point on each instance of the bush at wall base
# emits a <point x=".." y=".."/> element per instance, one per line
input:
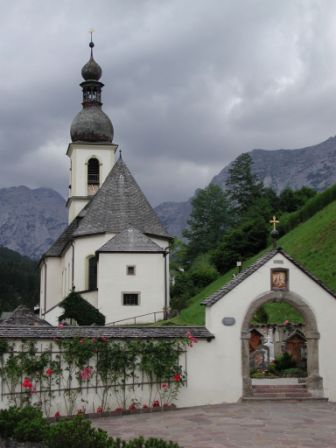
<point x="27" y="425"/>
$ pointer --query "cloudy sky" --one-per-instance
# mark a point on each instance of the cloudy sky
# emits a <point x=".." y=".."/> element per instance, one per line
<point x="189" y="84"/>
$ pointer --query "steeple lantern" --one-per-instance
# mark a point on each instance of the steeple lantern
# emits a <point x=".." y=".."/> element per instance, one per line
<point x="92" y="152"/>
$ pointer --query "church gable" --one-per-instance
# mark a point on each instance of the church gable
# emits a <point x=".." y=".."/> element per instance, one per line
<point x="276" y="279"/>
<point x="130" y="240"/>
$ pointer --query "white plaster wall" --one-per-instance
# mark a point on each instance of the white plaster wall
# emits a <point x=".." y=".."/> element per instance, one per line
<point x="113" y="281"/>
<point x="53" y="314"/>
<point x="84" y="248"/>
<point x="53" y="269"/>
<point x="226" y="349"/>
<point x="80" y="155"/>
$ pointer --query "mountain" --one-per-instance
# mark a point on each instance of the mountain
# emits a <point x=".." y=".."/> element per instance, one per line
<point x="30" y="220"/>
<point x="19" y="280"/>
<point x="313" y="166"/>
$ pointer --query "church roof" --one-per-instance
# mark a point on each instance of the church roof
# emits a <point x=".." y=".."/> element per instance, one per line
<point x="56" y="249"/>
<point x="130" y="240"/>
<point x="49" y="332"/>
<point x="211" y="300"/>
<point x="119" y="204"/>
<point x="22" y="317"/>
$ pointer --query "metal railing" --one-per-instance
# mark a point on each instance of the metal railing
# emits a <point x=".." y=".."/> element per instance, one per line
<point x="133" y="320"/>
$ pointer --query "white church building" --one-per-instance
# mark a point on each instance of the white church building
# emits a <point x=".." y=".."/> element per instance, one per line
<point x="114" y="251"/>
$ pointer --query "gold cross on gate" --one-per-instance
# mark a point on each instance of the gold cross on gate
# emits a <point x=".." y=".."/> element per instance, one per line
<point x="274" y="221"/>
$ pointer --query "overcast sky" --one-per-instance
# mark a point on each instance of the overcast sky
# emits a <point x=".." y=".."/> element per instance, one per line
<point x="189" y="84"/>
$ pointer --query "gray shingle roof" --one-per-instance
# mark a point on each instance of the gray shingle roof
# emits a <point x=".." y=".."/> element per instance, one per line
<point x="253" y="268"/>
<point x="130" y="240"/>
<point x="23" y="317"/>
<point x="56" y="249"/>
<point x="48" y="332"/>
<point x="119" y="204"/>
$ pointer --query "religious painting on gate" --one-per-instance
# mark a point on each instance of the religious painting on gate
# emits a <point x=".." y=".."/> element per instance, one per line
<point x="279" y="279"/>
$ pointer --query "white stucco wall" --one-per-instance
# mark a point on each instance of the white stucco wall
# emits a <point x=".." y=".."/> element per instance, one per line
<point x="52" y="270"/>
<point x="84" y="248"/>
<point x="226" y="367"/>
<point x="80" y="155"/>
<point x="113" y="280"/>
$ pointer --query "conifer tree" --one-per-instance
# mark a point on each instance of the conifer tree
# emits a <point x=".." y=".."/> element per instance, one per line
<point x="243" y="187"/>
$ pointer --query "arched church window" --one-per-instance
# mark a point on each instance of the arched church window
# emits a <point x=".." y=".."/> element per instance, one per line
<point x="92" y="284"/>
<point x="93" y="175"/>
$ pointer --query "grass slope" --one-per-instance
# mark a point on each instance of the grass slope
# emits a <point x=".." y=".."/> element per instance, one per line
<point x="313" y="244"/>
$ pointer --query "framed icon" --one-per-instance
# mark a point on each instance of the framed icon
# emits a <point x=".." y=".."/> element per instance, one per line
<point x="279" y="279"/>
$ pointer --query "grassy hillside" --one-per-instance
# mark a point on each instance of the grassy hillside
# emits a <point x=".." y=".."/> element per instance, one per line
<point x="313" y="244"/>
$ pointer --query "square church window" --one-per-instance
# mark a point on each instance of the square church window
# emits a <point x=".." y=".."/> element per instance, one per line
<point x="130" y="270"/>
<point x="131" y="299"/>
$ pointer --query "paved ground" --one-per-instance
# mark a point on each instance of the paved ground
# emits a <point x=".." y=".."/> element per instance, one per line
<point x="271" y="425"/>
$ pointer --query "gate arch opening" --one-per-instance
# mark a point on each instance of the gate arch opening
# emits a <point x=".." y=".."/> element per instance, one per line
<point x="314" y="381"/>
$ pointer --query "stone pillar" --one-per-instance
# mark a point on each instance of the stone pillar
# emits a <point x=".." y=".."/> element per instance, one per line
<point x="247" y="383"/>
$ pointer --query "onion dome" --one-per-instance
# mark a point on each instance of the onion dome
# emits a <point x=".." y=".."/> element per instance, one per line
<point x="91" y="124"/>
<point x="92" y="70"/>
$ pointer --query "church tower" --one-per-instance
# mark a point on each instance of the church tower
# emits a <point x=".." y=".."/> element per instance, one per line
<point x="91" y="153"/>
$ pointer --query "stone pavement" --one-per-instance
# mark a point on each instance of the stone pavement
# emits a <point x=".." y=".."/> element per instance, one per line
<point x="239" y="425"/>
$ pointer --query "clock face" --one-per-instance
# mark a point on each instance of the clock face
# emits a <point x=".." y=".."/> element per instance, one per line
<point x="92" y="189"/>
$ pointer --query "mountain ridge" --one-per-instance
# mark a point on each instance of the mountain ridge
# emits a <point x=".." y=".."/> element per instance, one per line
<point x="312" y="166"/>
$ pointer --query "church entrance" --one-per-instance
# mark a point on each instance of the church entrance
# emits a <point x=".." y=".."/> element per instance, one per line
<point x="280" y="348"/>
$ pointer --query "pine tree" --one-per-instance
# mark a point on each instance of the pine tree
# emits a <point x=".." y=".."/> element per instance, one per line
<point x="209" y="219"/>
<point x="243" y="187"/>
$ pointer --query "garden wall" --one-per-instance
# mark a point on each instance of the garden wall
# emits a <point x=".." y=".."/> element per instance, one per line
<point x="74" y="370"/>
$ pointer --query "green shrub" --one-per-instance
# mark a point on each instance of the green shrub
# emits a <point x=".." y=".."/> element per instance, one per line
<point x="284" y="362"/>
<point x="294" y="372"/>
<point x="78" y="433"/>
<point x="28" y="425"/>
<point x="149" y="443"/>
<point x="13" y="418"/>
<point x="75" y="307"/>
<point x="34" y="430"/>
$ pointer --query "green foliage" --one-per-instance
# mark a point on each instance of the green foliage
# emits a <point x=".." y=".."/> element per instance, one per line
<point x="75" y="307"/>
<point x="189" y="282"/>
<point x="241" y="242"/>
<point x="28" y="425"/>
<point x="32" y="429"/>
<point x="149" y="443"/>
<point x="202" y="272"/>
<point x="261" y="316"/>
<point x="291" y="200"/>
<point x="77" y="433"/>
<point x="19" y="280"/>
<point x="209" y="219"/>
<point x="284" y="362"/>
<point x="243" y="186"/>
<point x="309" y="209"/>
<point x="15" y="422"/>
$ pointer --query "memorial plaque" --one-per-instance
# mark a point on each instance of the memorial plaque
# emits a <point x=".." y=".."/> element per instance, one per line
<point x="229" y="321"/>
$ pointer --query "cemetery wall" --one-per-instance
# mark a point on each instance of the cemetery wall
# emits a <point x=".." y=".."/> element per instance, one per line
<point x="303" y="292"/>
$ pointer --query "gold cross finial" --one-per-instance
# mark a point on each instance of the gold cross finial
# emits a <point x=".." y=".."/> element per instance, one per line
<point x="274" y="221"/>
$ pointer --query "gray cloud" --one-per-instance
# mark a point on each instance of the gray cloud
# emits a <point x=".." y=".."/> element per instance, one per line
<point x="189" y="84"/>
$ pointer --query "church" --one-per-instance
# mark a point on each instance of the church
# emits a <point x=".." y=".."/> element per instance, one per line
<point x="114" y="251"/>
